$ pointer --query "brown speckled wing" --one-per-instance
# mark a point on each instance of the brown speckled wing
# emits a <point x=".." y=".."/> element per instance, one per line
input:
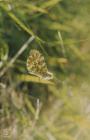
<point x="36" y="63"/>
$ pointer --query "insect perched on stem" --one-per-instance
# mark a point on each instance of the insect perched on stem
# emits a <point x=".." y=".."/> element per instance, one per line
<point x="36" y="65"/>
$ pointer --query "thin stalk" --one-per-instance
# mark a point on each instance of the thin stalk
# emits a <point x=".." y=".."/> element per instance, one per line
<point x="21" y="50"/>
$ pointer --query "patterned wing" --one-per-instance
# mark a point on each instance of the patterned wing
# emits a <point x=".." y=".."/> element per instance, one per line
<point x="36" y="63"/>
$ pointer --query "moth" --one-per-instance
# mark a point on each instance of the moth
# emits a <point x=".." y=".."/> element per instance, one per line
<point x="36" y="65"/>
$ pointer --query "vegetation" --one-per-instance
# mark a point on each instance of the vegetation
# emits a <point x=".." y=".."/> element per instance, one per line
<point x="32" y="108"/>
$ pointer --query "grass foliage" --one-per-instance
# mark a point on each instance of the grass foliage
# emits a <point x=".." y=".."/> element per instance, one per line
<point x="36" y="109"/>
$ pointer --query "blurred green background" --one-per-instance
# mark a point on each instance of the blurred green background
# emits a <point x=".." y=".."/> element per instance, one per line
<point x="36" y="109"/>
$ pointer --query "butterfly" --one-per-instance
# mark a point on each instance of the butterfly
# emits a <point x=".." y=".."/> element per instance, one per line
<point x="36" y="65"/>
